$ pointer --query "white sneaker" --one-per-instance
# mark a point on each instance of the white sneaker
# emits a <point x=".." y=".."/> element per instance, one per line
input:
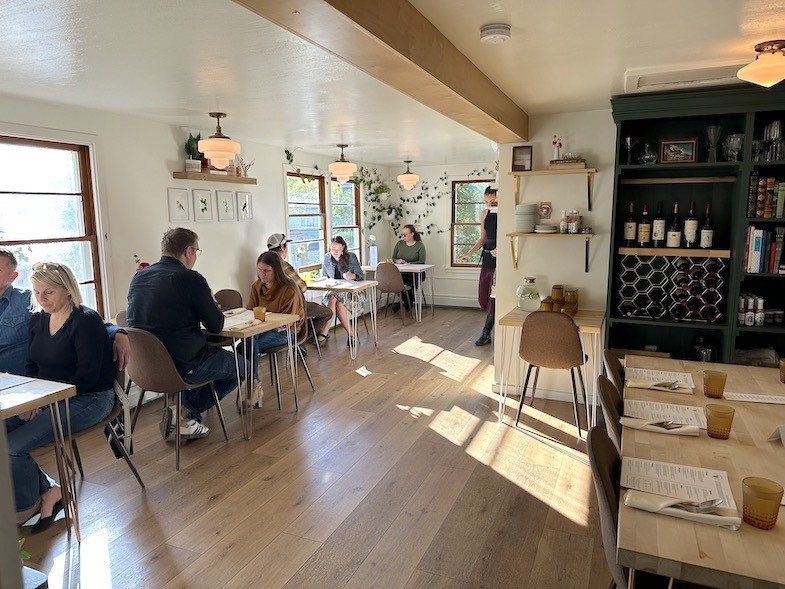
<point x="191" y="429"/>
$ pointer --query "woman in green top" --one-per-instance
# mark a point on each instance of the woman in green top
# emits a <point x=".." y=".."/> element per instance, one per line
<point x="409" y="250"/>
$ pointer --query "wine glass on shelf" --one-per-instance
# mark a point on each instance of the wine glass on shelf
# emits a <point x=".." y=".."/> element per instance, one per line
<point x="629" y="143"/>
<point x="713" y="135"/>
<point x="733" y="145"/>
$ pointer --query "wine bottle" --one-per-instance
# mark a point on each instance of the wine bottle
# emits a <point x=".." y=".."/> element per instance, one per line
<point x="673" y="238"/>
<point x="691" y="227"/>
<point x="658" y="227"/>
<point x="707" y="231"/>
<point x="630" y="227"/>
<point x="644" y="228"/>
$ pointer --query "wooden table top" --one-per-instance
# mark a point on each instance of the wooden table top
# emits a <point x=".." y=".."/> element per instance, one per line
<point x="30" y="393"/>
<point x="271" y="321"/>
<point x="403" y="267"/>
<point x="587" y="321"/>
<point x="710" y="555"/>
<point x="343" y="286"/>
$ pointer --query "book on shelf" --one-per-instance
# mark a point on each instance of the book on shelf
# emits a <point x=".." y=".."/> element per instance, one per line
<point x="778" y="243"/>
<point x="752" y="195"/>
<point x="763" y="250"/>
<point x="766" y="197"/>
<point x="219" y="172"/>
<point x="780" y="204"/>
<point x="577" y="163"/>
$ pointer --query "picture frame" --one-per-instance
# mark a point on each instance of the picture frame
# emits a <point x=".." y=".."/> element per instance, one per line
<point x="679" y="151"/>
<point x="179" y="205"/>
<point x="244" y="206"/>
<point x="227" y="209"/>
<point x="204" y="207"/>
<point x="522" y="158"/>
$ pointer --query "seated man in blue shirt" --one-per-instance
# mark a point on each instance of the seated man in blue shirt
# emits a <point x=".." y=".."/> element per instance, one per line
<point x="15" y="315"/>
<point x="170" y="300"/>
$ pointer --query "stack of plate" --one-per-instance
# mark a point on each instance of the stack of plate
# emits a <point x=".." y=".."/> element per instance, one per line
<point x="525" y="218"/>
<point x="541" y="228"/>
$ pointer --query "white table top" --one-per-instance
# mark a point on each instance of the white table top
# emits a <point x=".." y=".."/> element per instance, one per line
<point x="271" y="321"/>
<point x="22" y="394"/>
<point x="341" y="285"/>
<point x="403" y="267"/>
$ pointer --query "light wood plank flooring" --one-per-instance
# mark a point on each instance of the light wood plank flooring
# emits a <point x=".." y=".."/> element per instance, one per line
<point x="400" y="478"/>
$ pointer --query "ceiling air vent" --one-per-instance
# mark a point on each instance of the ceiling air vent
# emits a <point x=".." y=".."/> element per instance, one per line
<point x="655" y="79"/>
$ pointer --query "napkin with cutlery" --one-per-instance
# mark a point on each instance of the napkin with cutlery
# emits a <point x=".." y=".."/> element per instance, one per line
<point x="676" y="387"/>
<point x="650" y="425"/>
<point x="724" y="517"/>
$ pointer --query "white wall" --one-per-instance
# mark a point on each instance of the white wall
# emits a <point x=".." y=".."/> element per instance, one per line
<point x="552" y="261"/>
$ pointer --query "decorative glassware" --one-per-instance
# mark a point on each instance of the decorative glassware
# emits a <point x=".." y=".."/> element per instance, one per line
<point x="713" y="135"/>
<point x="649" y="156"/>
<point x="629" y="143"/>
<point x="733" y="145"/>
<point x="528" y="295"/>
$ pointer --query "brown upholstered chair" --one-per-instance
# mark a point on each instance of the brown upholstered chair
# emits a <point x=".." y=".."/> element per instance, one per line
<point x="612" y="409"/>
<point x="228" y="299"/>
<point x="107" y="425"/>
<point x="614" y="369"/>
<point x="551" y="340"/>
<point x="390" y="283"/>
<point x="152" y="369"/>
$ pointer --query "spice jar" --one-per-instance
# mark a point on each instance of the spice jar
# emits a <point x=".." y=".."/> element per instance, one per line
<point x="557" y="292"/>
<point x="571" y="297"/>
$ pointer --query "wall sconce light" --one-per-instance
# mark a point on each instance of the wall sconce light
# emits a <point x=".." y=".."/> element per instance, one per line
<point x="769" y="65"/>
<point x="343" y="168"/>
<point x="219" y="148"/>
<point x="407" y="179"/>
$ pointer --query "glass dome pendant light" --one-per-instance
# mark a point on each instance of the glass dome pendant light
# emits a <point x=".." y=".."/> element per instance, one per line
<point x="768" y="68"/>
<point x="219" y="148"/>
<point x="342" y="169"/>
<point x="407" y="179"/>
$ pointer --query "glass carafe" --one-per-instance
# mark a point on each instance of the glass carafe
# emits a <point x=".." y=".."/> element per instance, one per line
<point x="528" y="295"/>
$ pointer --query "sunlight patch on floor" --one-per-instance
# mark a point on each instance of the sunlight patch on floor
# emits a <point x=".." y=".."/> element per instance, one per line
<point x="454" y="366"/>
<point x="416" y="412"/>
<point x="455" y="425"/>
<point x="89" y="560"/>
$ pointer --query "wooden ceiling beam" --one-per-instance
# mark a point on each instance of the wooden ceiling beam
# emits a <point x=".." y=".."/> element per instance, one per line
<point x="391" y="41"/>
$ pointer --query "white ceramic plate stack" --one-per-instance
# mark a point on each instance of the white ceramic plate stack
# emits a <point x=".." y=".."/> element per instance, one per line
<point x="545" y="228"/>
<point x="525" y="218"/>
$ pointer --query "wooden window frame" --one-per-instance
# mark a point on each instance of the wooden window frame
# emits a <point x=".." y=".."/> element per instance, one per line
<point x="322" y="211"/>
<point x="357" y="219"/>
<point x="453" y="224"/>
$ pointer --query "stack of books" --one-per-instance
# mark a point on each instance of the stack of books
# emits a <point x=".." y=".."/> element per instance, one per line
<point x="575" y="163"/>
<point x="765" y="198"/>
<point x="763" y="250"/>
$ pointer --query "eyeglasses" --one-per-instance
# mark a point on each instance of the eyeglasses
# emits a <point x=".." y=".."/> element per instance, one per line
<point x="196" y="249"/>
<point x="44" y="266"/>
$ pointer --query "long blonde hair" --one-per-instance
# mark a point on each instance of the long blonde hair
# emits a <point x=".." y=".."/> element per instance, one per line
<point x="55" y="274"/>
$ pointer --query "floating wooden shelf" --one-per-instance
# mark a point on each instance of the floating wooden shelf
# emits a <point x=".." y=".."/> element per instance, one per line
<point x="515" y="246"/>
<point x="672" y="252"/>
<point x="588" y="171"/>
<point x="203" y="177"/>
<point x="692" y="180"/>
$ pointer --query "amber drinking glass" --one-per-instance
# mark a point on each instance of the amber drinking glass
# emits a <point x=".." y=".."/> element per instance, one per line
<point x="718" y="420"/>
<point x="714" y="383"/>
<point x="761" y="502"/>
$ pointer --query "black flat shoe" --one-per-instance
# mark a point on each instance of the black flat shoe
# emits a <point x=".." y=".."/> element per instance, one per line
<point x="45" y="522"/>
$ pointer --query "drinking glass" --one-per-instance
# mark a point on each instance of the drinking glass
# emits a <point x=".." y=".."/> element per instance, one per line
<point x="733" y="144"/>
<point x="713" y="135"/>
<point x="629" y="143"/>
<point x="719" y="419"/>
<point x="761" y="502"/>
<point x="714" y="383"/>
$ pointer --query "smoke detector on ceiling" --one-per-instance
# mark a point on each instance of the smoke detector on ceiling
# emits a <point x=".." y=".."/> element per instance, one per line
<point x="495" y="33"/>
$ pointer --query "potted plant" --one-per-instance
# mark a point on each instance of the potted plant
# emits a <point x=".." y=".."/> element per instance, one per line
<point x="193" y="163"/>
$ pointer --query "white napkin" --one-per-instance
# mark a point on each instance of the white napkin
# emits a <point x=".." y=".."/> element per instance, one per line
<point x="646" y="425"/>
<point x="237" y="311"/>
<point x="647" y="384"/>
<point x="724" y="517"/>
<point x="778" y="434"/>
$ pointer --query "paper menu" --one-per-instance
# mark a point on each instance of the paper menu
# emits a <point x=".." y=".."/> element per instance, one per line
<point x="689" y="483"/>
<point x="648" y="375"/>
<point x="650" y="410"/>
<point x="751" y="398"/>
<point x="8" y="381"/>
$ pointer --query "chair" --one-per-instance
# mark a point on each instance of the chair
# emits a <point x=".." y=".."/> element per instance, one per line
<point x="614" y="369"/>
<point x="108" y="427"/>
<point x="391" y="283"/>
<point x="121" y="318"/>
<point x="152" y="368"/>
<point x="551" y="340"/>
<point x="228" y="299"/>
<point x="612" y="409"/>
<point x="272" y="354"/>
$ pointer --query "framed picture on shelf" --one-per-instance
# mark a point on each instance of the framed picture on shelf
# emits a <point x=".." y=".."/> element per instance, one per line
<point x="203" y="205"/>
<point x="226" y="205"/>
<point x="522" y="158"/>
<point x="179" y="205"/>
<point x="679" y="151"/>
<point x="244" y="206"/>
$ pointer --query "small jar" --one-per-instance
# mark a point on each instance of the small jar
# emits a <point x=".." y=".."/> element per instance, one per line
<point x="769" y="317"/>
<point x="571" y="297"/>
<point x="558" y="306"/>
<point x="546" y="304"/>
<point x="528" y="295"/>
<point x="557" y="292"/>
<point x="778" y="313"/>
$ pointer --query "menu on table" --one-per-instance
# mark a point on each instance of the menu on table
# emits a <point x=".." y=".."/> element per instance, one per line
<point x="690" y="483"/>
<point x="8" y="381"/>
<point x="651" y="411"/>
<point x="752" y="398"/>
<point x="648" y="375"/>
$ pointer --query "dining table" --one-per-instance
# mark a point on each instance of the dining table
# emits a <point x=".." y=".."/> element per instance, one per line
<point x="353" y="288"/>
<point x="20" y="394"/>
<point x="694" y="551"/>
<point x="419" y="274"/>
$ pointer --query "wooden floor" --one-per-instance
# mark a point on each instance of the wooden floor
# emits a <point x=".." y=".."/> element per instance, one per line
<point x="399" y="478"/>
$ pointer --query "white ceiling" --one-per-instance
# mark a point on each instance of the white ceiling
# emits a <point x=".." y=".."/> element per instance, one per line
<point x="173" y="61"/>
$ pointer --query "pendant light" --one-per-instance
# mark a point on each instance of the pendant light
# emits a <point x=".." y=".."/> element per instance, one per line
<point x="769" y="65"/>
<point x="342" y="169"/>
<point x="219" y="148"/>
<point x="408" y="180"/>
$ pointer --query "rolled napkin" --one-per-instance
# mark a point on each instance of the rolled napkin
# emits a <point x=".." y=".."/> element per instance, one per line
<point x="648" y="425"/>
<point x="724" y="517"/>
<point x="680" y="387"/>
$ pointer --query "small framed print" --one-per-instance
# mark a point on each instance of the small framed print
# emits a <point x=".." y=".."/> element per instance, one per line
<point x="678" y="151"/>
<point x="522" y="158"/>
<point x="203" y="205"/>
<point x="179" y="205"/>
<point x="226" y="205"/>
<point x="244" y="206"/>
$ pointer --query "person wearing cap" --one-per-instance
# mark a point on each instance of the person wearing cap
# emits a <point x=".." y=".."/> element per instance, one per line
<point x="279" y="243"/>
<point x="487" y="242"/>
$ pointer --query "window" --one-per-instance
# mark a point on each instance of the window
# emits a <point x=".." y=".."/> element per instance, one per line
<point x="305" y="197"/>
<point x="345" y="214"/>
<point x="48" y="210"/>
<point x="467" y="206"/>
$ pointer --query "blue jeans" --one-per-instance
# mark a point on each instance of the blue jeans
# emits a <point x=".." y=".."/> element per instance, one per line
<point x="219" y="368"/>
<point x="30" y="482"/>
<point x="265" y="341"/>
